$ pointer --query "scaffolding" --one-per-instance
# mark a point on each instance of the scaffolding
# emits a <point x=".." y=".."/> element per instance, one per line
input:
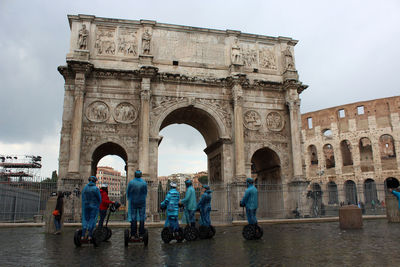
<point x="17" y="168"/>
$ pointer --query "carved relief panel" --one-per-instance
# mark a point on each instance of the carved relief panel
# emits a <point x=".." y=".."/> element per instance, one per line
<point x="214" y="164"/>
<point x="127" y="42"/>
<point x="275" y="121"/>
<point x="254" y="56"/>
<point x="252" y="120"/>
<point x="105" y="41"/>
<point x="97" y="111"/>
<point x="125" y="113"/>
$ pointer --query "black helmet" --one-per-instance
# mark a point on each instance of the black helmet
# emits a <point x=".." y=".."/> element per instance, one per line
<point x="138" y="174"/>
<point x="92" y="179"/>
<point x="206" y="186"/>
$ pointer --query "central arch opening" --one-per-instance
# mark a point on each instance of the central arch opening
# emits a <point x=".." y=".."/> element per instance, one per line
<point x="109" y="166"/>
<point x="190" y="147"/>
<point x="190" y="139"/>
<point x="266" y="170"/>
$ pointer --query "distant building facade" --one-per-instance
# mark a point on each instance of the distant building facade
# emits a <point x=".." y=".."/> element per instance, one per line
<point x="113" y="178"/>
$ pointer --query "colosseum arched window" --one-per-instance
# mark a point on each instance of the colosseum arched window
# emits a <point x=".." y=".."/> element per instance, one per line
<point x="366" y="156"/>
<point x="370" y="192"/>
<point x="388" y="153"/>
<point x="345" y="149"/>
<point x="351" y="192"/>
<point x="313" y="154"/>
<point x="332" y="193"/>
<point x="329" y="156"/>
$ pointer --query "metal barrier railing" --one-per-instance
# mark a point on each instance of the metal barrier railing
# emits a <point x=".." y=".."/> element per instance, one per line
<point x="21" y="201"/>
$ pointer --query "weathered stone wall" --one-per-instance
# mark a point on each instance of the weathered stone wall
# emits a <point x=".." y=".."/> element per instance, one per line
<point x="365" y="138"/>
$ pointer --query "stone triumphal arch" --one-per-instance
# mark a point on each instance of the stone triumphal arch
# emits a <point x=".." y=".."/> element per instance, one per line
<point x="126" y="80"/>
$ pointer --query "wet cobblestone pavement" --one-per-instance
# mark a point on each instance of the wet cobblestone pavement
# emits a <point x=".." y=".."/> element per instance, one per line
<point x="312" y="244"/>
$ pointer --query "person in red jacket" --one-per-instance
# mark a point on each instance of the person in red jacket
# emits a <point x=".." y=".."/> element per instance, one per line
<point x="105" y="202"/>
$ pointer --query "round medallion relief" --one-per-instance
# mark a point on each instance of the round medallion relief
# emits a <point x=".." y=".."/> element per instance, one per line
<point x="275" y="121"/>
<point x="125" y="113"/>
<point x="252" y="120"/>
<point x="97" y="111"/>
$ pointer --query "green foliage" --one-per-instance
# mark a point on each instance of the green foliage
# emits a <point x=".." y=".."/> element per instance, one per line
<point x="53" y="179"/>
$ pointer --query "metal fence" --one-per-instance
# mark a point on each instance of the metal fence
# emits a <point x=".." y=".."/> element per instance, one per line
<point x="22" y="201"/>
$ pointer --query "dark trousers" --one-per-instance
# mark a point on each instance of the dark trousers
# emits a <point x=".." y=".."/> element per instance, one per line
<point x="103" y="214"/>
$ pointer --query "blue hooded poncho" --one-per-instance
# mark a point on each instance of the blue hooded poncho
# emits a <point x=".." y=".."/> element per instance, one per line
<point x="91" y="200"/>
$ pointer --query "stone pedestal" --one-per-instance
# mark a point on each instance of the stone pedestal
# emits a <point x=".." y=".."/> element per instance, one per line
<point x="350" y="217"/>
<point x="48" y="215"/>
<point x="392" y="209"/>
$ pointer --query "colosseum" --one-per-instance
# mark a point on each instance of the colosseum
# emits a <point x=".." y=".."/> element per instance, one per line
<point x="350" y="152"/>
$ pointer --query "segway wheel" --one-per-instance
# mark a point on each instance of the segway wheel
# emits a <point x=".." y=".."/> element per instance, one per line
<point x="126" y="237"/>
<point x="211" y="231"/>
<point x="77" y="237"/>
<point x="179" y="236"/>
<point x="95" y="241"/>
<point x="166" y="235"/>
<point x="203" y="232"/>
<point x="249" y="232"/>
<point x="109" y="234"/>
<point x="100" y="233"/>
<point x="258" y="232"/>
<point x="146" y="238"/>
<point x="191" y="233"/>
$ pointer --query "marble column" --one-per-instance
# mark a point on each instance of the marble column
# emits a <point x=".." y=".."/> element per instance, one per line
<point x="76" y="129"/>
<point x="295" y="119"/>
<point x="237" y="95"/>
<point x="144" y="126"/>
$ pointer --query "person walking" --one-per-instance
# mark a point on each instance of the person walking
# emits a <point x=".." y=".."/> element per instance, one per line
<point x="58" y="211"/>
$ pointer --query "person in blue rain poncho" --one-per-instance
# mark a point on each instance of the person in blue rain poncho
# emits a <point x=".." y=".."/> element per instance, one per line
<point x="91" y="200"/>
<point x="395" y="192"/>
<point x="189" y="202"/>
<point x="250" y="201"/>
<point x="171" y="204"/>
<point x="204" y="206"/>
<point x="136" y="194"/>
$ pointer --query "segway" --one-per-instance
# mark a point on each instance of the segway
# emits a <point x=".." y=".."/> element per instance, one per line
<point x="206" y="232"/>
<point x="167" y="235"/>
<point x="190" y="233"/>
<point x="104" y="233"/>
<point x="78" y="241"/>
<point x="136" y="239"/>
<point x="252" y="232"/>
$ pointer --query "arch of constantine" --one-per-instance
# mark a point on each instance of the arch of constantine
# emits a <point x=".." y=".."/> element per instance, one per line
<point x="126" y="80"/>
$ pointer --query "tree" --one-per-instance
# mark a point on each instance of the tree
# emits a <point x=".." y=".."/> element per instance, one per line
<point x="203" y="179"/>
<point x="54" y="176"/>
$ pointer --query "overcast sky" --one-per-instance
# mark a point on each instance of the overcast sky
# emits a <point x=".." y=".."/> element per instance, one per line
<point x="348" y="51"/>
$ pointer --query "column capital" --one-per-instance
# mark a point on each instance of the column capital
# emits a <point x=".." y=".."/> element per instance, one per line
<point x="293" y="104"/>
<point x="291" y="84"/>
<point x="80" y="66"/>
<point x="148" y="72"/>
